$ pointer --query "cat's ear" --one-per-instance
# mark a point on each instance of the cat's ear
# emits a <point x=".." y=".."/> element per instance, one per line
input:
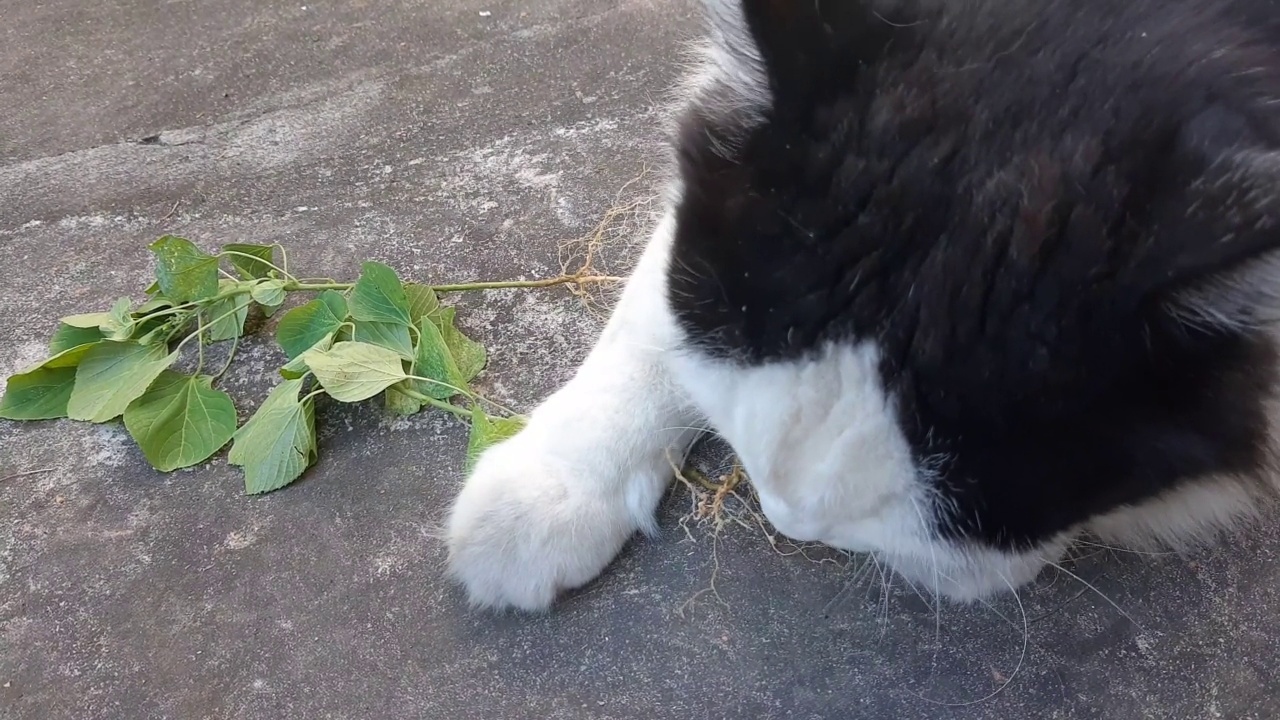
<point x="776" y="53"/>
<point x="1216" y="240"/>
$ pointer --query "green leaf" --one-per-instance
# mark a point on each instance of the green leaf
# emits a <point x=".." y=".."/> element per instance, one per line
<point x="153" y="289"/>
<point x="379" y="297"/>
<point x="225" y="318"/>
<point x="423" y="301"/>
<point x="279" y="441"/>
<point x="119" y="324"/>
<point x="268" y="292"/>
<point x="41" y="391"/>
<point x="336" y="302"/>
<point x="387" y="335"/>
<point x="183" y="271"/>
<point x="303" y="327"/>
<point x="355" y="371"/>
<point x="399" y="403"/>
<point x="70" y="336"/>
<point x="281" y="397"/>
<point x="487" y="431"/>
<point x="87" y="320"/>
<point x="255" y="267"/>
<point x="296" y="368"/>
<point x="111" y="375"/>
<point x="467" y="353"/>
<point x="180" y="420"/>
<point x="151" y="306"/>
<point x="39" y="394"/>
<point x="70" y="357"/>
<point x="434" y="362"/>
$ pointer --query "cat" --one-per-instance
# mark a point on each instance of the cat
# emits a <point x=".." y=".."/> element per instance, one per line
<point x="958" y="280"/>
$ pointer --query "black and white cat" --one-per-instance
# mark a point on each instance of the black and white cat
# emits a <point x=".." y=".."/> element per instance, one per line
<point x="959" y="281"/>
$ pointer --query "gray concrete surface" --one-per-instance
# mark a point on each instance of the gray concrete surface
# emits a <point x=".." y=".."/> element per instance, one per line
<point x="455" y="140"/>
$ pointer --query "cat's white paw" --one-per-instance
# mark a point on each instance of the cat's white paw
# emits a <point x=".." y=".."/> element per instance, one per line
<point x="535" y="518"/>
<point x="548" y="509"/>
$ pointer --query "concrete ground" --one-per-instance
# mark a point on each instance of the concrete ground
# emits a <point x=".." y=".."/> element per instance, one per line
<point x="456" y="140"/>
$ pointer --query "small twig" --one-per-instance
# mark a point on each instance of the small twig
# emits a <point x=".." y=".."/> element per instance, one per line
<point x="15" y="476"/>
<point x="546" y="282"/>
<point x="172" y="210"/>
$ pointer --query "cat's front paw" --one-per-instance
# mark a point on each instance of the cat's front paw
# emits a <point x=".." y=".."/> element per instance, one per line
<point x="533" y="519"/>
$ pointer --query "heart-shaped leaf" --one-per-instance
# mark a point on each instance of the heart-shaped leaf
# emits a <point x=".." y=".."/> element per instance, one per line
<point x="378" y="296"/>
<point x="183" y="271"/>
<point x="423" y="301"/>
<point x="303" y="327"/>
<point x="278" y="442"/>
<point x="180" y="420"/>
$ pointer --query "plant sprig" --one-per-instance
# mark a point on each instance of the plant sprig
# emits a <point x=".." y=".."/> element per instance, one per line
<point x="352" y="342"/>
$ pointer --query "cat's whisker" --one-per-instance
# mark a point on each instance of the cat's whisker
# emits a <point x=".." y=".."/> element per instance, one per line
<point x="1096" y="591"/>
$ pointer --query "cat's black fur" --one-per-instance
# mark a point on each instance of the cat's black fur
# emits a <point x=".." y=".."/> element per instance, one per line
<point x="1047" y="215"/>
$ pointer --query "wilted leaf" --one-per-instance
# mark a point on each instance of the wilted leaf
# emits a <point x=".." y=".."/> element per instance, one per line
<point x="388" y="335"/>
<point x="86" y="320"/>
<point x="467" y="353"/>
<point x="151" y="306"/>
<point x="435" y="363"/>
<point x="257" y="265"/>
<point x="279" y="441"/>
<point x="119" y="324"/>
<point x="399" y="403"/>
<point x="268" y="292"/>
<point x="487" y="431"/>
<point x="225" y="318"/>
<point x="354" y="371"/>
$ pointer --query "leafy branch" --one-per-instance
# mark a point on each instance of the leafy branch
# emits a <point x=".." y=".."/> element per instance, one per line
<point x="352" y="341"/>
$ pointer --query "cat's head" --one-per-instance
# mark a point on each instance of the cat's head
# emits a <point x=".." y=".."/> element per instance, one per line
<point x="974" y="276"/>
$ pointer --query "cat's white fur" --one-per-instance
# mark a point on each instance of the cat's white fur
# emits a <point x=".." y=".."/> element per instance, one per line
<point x="548" y="509"/>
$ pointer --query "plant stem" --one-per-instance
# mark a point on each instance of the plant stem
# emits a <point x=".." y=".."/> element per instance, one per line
<point x="543" y="283"/>
<point x="440" y="404"/>
<point x="15" y="476"/>
<point x="255" y="258"/>
<point x="235" y="344"/>
<point x="295" y="286"/>
<point x="199" y="343"/>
